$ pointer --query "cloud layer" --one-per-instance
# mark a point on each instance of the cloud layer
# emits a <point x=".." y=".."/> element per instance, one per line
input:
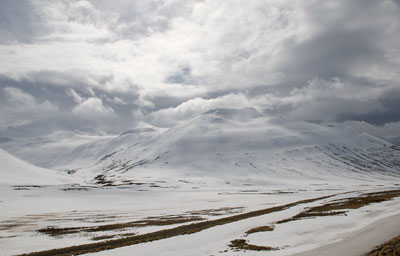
<point x="82" y="64"/>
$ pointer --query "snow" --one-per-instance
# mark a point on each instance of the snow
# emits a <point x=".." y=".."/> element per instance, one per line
<point x="361" y="241"/>
<point x="17" y="172"/>
<point x="224" y="158"/>
<point x="222" y="145"/>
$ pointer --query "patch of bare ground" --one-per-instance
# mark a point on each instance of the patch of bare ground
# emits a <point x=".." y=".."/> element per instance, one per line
<point x="257" y="192"/>
<point x="218" y="212"/>
<point x="82" y="188"/>
<point x="151" y="221"/>
<point x="106" y="237"/>
<point x="341" y="206"/>
<point x="390" y="248"/>
<point x="241" y="244"/>
<point x="165" y="233"/>
<point x="260" y="229"/>
<point x="99" y="238"/>
<point x="27" y="187"/>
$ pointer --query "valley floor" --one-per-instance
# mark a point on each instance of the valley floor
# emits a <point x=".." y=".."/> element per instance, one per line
<point x="310" y="219"/>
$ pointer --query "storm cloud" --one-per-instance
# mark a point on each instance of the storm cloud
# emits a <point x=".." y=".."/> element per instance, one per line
<point x="105" y="67"/>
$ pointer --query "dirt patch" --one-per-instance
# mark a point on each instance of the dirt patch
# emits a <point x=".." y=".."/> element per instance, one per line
<point x="341" y="206"/>
<point x="241" y="244"/>
<point x="390" y="248"/>
<point x="101" y="179"/>
<point x="260" y="229"/>
<point x="256" y="192"/>
<point x="151" y="221"/>
<point x="15" y="226"/>
<point x="218" y="212"/>
<point x="27" y="187"/>
<point x="99" y="238"/>
<point x="107" y="237"/>
<point x="80" y="188"/>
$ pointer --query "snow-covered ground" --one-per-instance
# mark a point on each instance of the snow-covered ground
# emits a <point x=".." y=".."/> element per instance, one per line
<point x="223" y="163"/>
<point x="291" y="238"/>
<point x="26" y="210"/>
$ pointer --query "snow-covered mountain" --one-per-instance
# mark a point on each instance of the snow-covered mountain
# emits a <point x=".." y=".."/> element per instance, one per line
<point x="230" y="146"/>
<point x="18" y="172"/>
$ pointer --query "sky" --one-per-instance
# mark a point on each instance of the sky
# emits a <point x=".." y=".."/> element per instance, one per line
<point x="108" y="66"/>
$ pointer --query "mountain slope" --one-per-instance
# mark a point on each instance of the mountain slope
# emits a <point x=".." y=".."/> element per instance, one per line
<point x="17" y="172"/>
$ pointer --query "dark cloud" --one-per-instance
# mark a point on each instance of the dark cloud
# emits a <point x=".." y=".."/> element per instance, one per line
<point x="391" y="112"/>
<point x="331" y="54"/>
<point x="17" y="22"/>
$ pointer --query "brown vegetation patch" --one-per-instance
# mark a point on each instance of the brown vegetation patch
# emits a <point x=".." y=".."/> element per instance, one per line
<point x="340" y="207"/>
<point x="260" y="229"/>
<point x="390" y="248"/>
<point x="241" y="244"/>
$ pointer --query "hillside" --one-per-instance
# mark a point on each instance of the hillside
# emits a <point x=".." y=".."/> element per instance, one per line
<point x="17" y="172"/>
<point x="227" y="146"/>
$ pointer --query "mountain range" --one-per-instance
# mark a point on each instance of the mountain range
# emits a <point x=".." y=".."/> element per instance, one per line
<point x="221" y="146"/>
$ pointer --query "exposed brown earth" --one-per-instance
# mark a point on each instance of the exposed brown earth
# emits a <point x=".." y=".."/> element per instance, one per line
<point x="241" y="244"/>
<point x="106" y="237"/>
<point x="341" y="206"/>
<point x="390" y="248"/>
<point x="159" y="221"/>
<point x="260" y="229"/>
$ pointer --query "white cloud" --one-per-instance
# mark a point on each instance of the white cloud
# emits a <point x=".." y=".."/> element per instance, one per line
<point x="117" y="100"/>
<point x="20" y="100"/>
<point x="93" y="108"/>
<point x="194" y="107"/>
<point x="325" y="99"/>
<point x="224" y="45"/>
<point x="318" y="100"/>
<point x="77" y="98"/>
<point x="19" y="108"/>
